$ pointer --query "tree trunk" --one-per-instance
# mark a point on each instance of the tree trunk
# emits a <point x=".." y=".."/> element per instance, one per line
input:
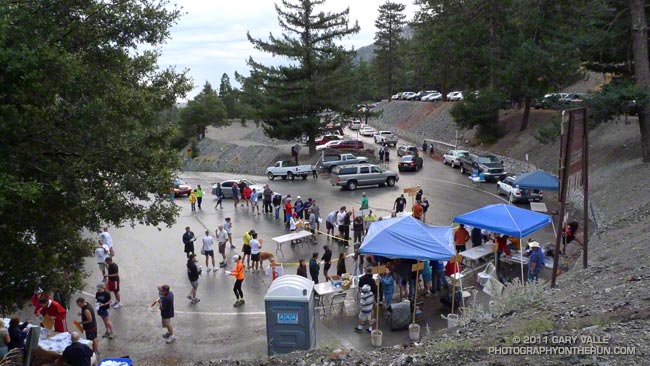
<point x="526" y="116"/>
<point x="311" y="136"/>
<point x="641" y="70"/>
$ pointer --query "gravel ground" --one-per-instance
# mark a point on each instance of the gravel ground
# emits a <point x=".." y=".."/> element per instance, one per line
<point x="608" y="302"/>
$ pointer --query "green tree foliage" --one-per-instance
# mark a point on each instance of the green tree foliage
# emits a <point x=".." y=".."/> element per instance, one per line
<point x="480" y="110"/>
<point x="295" y="94"/>
<point x="228" y="96"/>
<point x="82" y="140"/>
<point x="388" y="41"/>
<point x="205" y="109"/>
<point x="618" y="44"/>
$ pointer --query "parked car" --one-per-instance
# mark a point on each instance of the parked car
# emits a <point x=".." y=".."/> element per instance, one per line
<point x="403" y="150"/>
<point x="506" y="187"/>
<point x="181" y="188"/>
<point x="455" y="96"/>
<point x="226" y="187"/>
<point x="355" y="124"/>
<point x="367" y="131"/>
<point x="410" y="162"/>
<point x="327" y="138"/>
<point x="422" y="94"/>
<point x="396" y="96"/>
<point x="385" y="137"/>
<point x="488" y="164"/>
<point x="352" y="176"/>
<point x="327" y="145"/>
<point x="330" y="161"/>
<point x="573" y="98"/>
<point x="348" y="144"/>
<point x="407" y="96"/>
<point x="451" y="157"/>
<point x="551" y="100"/>
<point x="288" y="169"/>
<point x="433" y="97"/>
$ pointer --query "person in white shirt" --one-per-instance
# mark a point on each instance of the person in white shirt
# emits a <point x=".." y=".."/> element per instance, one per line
<point x="108" y="240"/>
<point x="228" y="227"/>
<point x="101" y="253"/>
<point x="256" y="247"/>
<point x="222" y="239"/>
<point x="208" y="250"/>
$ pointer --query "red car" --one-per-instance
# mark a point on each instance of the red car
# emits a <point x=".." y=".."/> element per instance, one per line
<point x="327" y="138"/>
<point x="348" y="144"/>
<point x="181" y="188"/>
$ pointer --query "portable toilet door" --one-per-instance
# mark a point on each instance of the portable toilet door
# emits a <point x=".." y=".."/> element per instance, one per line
<point x="290" y="315"/>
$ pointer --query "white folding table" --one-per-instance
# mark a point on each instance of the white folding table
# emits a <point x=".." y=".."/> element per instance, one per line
<point x="538" y="207"/>
<point x="478" y="252"/>
<point x="289" y="237"/>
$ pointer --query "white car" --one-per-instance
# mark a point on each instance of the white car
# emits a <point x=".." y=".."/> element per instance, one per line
<point x="328" y="145"/>
<point x="407" y="95"/>
<point x="455" y="96"/>
<point x="367" y="131"/>
<point x="451" y="157"/>
<point x="433" y="97"/>
<point x="355" y="124"/>
<point x="396" y="96"/>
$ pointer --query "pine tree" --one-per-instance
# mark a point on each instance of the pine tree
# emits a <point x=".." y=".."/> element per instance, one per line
<point x="388" y="44"/>
<point x="205" y="109"/>
<point x="295" y="94"/>
<point x="228" y="96"/>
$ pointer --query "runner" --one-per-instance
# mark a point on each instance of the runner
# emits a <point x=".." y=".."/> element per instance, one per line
<point x="199" y="195"/>
<point x="193" y="273"/>
<point x="327" y="261"/>
<point x="114" y="281"/>
<point x="166" y="302"/>
<point x="101" y="253"/>
<point x="222" y="239"/>
<point x="208" y="250"/>
<point x="103" y="301"/>
<point x="227" y="226"/>
<point x="238" y="273"/>
<point x="108" y="240"/>
<point x="255" y="247"/>
<point x="246" y="248"/>
<point x="89" y="323"/>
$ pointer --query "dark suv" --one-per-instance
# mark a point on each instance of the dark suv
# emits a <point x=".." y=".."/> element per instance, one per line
<point x="490" y="165"/>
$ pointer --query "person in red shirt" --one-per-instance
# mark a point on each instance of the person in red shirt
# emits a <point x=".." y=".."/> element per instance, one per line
<point x="247" y="195"/>
<point x="36" y="297"/>
<point x="502" y="246"/>
<point x="461" y="236"/>
<point x="288" y="212"/>
<point x="55" y="311"/>
<point x="418" y="210"/>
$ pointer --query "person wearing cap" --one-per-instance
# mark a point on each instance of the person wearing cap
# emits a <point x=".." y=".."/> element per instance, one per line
<point x="367" y="279"/>
<point x="367" y="302"/>
<point x="461" y="236"/>
<point x="238" y="273"/>
<point x="166" y="302"/>
<point x="535" y="262"/>
<point x="193" y="273"/>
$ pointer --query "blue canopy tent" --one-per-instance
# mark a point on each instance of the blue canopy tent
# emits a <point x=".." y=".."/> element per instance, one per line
<point x="537" y="180"/>
<point x="505" y="219"/>
<point x="409" y="238"/>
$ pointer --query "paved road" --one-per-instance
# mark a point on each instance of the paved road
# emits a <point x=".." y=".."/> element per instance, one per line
<point x="150" y="256"/>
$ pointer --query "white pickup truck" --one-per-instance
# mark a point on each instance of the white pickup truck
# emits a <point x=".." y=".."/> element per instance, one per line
<point x="288" y="169"/>
<point x="385" y="137"/>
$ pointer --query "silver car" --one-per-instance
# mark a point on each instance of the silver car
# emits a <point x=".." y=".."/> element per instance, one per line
<point x="352" y="176"/>
<point x="226" y="187"/>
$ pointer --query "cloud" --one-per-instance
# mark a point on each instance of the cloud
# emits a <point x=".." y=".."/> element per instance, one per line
<point x="210" y="38"/>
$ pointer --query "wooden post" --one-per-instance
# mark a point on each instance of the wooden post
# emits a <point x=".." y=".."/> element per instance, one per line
<point x="415" y="290"/>
<point x="378" y="269"/>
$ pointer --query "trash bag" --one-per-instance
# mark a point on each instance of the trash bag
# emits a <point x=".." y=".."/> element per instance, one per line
<point x="400" y="315"/>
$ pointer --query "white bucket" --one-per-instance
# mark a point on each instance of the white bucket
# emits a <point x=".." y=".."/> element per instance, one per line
<point x="452" y="321"/>
<point x="414" y="332"/>
<point x="376" y="338"/>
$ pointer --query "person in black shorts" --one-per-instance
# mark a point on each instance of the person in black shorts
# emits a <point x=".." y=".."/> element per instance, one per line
<point x="103" y="298"/>
<point x="327" y="260"/>
<point x="88" y="322"/>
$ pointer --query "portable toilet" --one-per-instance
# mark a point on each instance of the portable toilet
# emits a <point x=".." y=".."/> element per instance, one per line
<point x="290" y="315"/>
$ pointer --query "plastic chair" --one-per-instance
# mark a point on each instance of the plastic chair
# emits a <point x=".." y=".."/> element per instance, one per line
<point x="338" y="299"/>
<point x="488" y="272"/>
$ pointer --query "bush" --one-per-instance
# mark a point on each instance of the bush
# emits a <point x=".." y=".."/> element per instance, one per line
<point x="548" y="134"/>
<point x="195" y="149"/>
<point x="517" y="296"/>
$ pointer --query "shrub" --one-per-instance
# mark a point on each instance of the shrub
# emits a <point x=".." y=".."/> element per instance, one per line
<point x="548" y="134"/>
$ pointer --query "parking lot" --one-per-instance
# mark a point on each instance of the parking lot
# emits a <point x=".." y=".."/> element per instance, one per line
<point x="213" y="328"/>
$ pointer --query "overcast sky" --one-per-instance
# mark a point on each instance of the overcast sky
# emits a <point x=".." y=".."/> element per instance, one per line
<point x="210" y="38"/>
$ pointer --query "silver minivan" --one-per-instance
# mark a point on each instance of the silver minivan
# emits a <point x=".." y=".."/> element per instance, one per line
<point x="352" y="176"/>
